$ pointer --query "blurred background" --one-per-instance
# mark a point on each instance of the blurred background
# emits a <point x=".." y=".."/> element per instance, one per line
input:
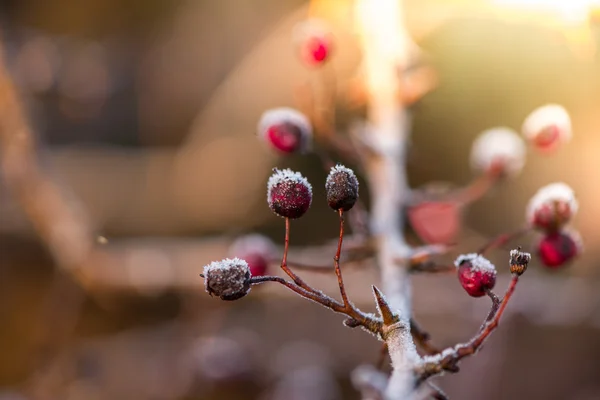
<point x="145" y="113"/>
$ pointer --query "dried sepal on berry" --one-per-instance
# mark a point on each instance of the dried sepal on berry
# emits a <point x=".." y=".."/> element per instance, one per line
<point x="552" y="207"/>
<point x="286" y="130"/>
<point x="547" y="127"/>
<point x="289" y="194"/>
<point x="519" y="260"/>
<point x="341" y="187"/>
<point x="229" y="279"/>
<point x="476" y="274"/>
<point x="498" y="150"/>
<point x="257" y="250"/>
<point x="558" y="249"/>
<point x="314" y="42"/>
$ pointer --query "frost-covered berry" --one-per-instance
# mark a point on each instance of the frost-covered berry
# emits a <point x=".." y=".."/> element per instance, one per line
<point x="498" y="150"/>
<point x="288" y="193"/>
<point x="228" y="279"/>
<point x="547" y="127"/>
<point x="558" y="248"/>
<point x="286" y="130"/>
<point x="476" y="274"/>
<point x="552" y="207"/>
<point x="341" y="187"/>
<point x="314" y="42"/>
<point x="519" y="260"/>
<point x="256" y="250"/>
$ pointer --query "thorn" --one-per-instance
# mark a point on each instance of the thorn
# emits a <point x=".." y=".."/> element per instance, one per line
<point x="384" y="309"/>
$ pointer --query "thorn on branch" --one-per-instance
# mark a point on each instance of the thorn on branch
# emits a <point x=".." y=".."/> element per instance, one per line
<point x="389" y="318"/>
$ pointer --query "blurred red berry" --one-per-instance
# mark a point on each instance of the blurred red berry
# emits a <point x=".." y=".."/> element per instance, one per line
<point x="289" y="194"/>
<point x="547" y="127"/>
<point x="476" y="274"/>
<point x="558" y="249"/>
<point x="435" y="222"/>
<point x="256" y="249"/>
<point x="314" y="42"/>
<point x="552" y="207"/>
<point x="286" y="130"/>
<point x="257" y="263"/>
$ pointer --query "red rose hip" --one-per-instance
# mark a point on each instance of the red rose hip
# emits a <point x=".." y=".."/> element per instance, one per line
<point x="256" y="249"/>
<point x="289" y="194"/>
<point x="476" y="274"/>
<point x="285" y="130"/>
<point x="557" y="249"/>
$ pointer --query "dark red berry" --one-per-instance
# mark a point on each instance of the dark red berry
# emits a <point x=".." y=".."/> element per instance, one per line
<point x="286" y="130"/>
<point x="289" y="194"/>
<point x="341" y="187"/>
<point x="476" y="274"/>
<point x="558" y="248"/>
<point x="317" y="49"/>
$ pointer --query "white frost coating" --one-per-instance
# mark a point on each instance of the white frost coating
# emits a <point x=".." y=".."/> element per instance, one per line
<point x="499" y="144"/>
<point x="289" y="176"/>
<point x="226" y="265"/>
<point x="547" y="116"/>
<point x="514" y="253"/>
<point x="555" y="192"/>
<point x="478" y="262"/>
<point x="253" y="243"/>
<point x="280" y="115"/>
<point x="340" y="168"/>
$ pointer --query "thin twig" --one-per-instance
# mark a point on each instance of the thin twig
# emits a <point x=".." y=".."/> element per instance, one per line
<point x="284" y="265"/>
<point x="336" y="261"/>
<point x="357" y="317"/>
<point x="449" y="358"/>
<point x="494" y="309"/>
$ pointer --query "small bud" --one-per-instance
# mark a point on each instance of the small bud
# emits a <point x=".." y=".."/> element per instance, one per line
<point x="547" y="127"/>
<point x="286" y="130"/>
<point x="519" y="261"/>
<point x="256" y="250"/>
<point x="288" y="193"/>
<point x="228" y="279"/>
<point x="342" y="188"/>
<point x="314" y="42"/>
<point x="476" y="274"/>
<point x="552" y="207"/>
<point x="498" y="150"/>
<point x="559" y="248"/>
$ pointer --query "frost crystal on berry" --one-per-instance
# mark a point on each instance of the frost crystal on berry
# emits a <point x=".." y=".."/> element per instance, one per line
<point x="342" y="188"/>
<point x="552" y="207"/>
<point x="228" y="279"/>
<point x="286" y="130"/>
<point x="314" y="41"/>
<point x="289" y="194"/>
<point x="557" y="249"/>
<point x="547" y="127"/>
<point x="476" y="274"/>
<point x="256" y="250"/>
<point x="498" y="149"/>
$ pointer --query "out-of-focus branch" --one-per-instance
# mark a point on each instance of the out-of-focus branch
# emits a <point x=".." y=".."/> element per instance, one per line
<point x="56" y="215"/>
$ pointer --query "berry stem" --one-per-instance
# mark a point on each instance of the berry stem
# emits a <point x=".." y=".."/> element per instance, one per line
<point x="494" y="309"/>
<point x="297" y="280"/>
<point x="336" y="262"/>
